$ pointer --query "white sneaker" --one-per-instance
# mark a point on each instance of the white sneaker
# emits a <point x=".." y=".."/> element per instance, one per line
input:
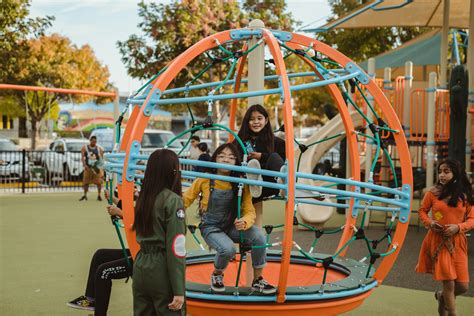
<point x="255" y="190"/>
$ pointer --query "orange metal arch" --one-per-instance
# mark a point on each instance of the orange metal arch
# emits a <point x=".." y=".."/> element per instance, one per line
<point x="400" y="141"/>
<point x="352" y="143"/>
<point x="407" y="176"/>
<point x="290" y="155"/>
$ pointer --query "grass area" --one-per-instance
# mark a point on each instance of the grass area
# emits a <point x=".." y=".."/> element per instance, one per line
<point x="47" y="241"/>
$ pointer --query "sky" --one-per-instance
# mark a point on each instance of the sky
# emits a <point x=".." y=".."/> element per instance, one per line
<point x="101" y="23"/>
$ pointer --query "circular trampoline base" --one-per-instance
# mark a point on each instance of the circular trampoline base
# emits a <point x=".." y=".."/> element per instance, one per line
<point x="345" y="289"/>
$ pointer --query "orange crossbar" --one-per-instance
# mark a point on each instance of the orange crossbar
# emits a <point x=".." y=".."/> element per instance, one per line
<point x="4" y="86"/>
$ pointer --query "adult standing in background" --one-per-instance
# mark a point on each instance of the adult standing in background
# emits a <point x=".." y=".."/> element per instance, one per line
<point x="92" y="157"/>
<point x="194" y="151"/>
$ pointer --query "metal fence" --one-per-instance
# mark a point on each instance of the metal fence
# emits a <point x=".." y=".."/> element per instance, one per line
<point x="43" y="171"/>
<point x="22" y="171"/>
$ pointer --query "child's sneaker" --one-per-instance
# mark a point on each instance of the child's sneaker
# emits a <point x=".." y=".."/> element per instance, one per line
<point x="255" y="190"/>
<point x="217" y="284"/>
<point x="304" y="194"/>
<point x="82" y="302"/>
<point x="261" y="285"/>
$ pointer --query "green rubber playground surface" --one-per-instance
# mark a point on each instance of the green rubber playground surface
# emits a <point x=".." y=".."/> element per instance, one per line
<point x="47" y="241"/>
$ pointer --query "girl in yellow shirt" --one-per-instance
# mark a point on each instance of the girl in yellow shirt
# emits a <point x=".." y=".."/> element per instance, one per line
<point x="220" y="226"/>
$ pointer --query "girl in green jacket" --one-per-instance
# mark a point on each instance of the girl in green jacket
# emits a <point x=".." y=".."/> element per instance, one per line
<point x="159" y="268"/>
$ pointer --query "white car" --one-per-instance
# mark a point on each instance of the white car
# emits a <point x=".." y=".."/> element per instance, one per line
<point x="152" y="140"/>
<point x="11" y="160"/>
<point x="63" y="159"/>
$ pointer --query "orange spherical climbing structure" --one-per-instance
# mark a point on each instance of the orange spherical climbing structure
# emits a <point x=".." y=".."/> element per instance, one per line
<point x="306" y="285"/>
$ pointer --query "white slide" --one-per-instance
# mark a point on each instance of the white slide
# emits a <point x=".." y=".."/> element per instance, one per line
<point x="317" y="215"/>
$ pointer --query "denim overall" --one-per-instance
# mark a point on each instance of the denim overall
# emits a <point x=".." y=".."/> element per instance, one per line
<point x="218" y="213"/>
<point x="218" y="230"/>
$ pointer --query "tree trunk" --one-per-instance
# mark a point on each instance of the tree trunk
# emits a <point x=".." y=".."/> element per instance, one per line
<point x="22" y="130"/>
<point x="33" y="133"/>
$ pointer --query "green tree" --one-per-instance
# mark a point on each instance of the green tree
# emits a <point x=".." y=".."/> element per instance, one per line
<point x="15" y="28"/>
<point x="54" y="61"/>
<point x="169" y="29"/>
<point x="272" y="12"/>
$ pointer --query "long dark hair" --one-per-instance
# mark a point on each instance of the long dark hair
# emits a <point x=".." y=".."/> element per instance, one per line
<point x="458" y="188"/>
<point x="235" y="186"/>
<point x="265" y="135"/>
<point x="162" y="172"/>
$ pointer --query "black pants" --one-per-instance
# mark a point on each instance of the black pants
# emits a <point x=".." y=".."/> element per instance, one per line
<point x="106" y="265"/>
<point x="273" y="163"/>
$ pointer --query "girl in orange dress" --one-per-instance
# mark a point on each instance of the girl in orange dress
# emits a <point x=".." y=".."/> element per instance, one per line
<point x="444" y="249"/>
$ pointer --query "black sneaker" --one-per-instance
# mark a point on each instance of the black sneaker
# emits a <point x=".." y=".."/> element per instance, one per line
<point x="217" y="284"/>
<point x="83" y="198"/>
<point x="82" y="302"/>
<point x="261" y="285"/>
<point x="99" y="198"/>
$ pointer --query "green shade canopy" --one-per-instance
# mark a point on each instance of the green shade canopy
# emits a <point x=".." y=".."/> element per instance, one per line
<point x="423" y="50"/>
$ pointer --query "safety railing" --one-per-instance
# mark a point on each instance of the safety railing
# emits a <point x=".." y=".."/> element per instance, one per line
<point x="419" y="112"/>
<point x="399" y="96"/>
<point x="418" y="115"/>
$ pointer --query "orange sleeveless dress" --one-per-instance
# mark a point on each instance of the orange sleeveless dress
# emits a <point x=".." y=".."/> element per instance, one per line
<point x="445" y="258"/>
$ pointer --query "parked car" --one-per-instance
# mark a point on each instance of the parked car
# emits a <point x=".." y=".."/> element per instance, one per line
<point x="11" y="160"/>
<point x="156" y="139"/>
<point x="62" y="159"/>
<point x="152" y="140"/>
<point x="209" y="143"/>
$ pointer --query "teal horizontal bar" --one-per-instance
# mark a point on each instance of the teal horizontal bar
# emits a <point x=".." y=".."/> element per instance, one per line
<point x="215" y="165"/>
<point x="207" y="164"/>
<point x="231" y="82"/>
<point x="321" y="203"/>
<point x="372" y="186"/>
<point x="271" y="185"/>
<point x="241" y="95"/>
<point x="351" y="194"/>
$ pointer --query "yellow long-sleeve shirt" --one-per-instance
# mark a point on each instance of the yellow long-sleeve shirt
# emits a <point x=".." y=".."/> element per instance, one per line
<point x="203" y="186"/>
